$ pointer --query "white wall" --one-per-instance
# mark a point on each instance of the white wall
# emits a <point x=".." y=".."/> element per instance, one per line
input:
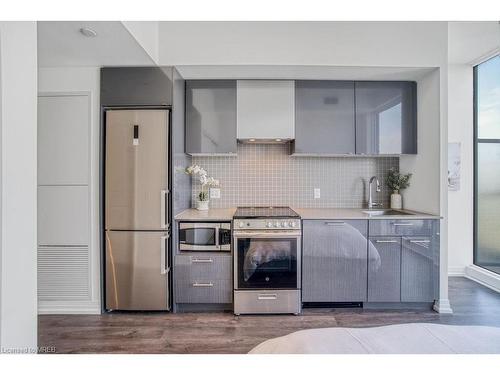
<point x="468" y="42"/>
<point x="416" y="44"/>
<point x="146" y="33"/>
<point x="460" y="203"/>
<point x="18" y="288"/>
<point x="422" y="195"/>
<point x="75" y="80"/>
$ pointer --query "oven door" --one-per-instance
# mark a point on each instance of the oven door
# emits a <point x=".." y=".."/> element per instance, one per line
<point x="267" y="260"/>
<point x="199" y="236"/>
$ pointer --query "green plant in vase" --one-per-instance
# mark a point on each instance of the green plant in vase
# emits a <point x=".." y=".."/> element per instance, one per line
<point x="396" y="182"/>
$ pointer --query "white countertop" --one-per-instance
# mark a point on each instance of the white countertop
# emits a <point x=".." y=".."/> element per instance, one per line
<point x="226" y="214"/>
<point x="213" y="214"/>
<point x="355" y="213"/>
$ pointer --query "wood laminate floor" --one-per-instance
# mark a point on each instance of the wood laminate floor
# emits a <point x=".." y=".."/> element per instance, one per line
<point x="472" y="303"/>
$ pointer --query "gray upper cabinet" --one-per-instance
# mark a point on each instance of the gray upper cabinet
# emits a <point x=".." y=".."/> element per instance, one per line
<point x="324" y="117"/>
<point x="386" y="117"/>
<point x="334" y="261"/>
<point x="211" y="117"/>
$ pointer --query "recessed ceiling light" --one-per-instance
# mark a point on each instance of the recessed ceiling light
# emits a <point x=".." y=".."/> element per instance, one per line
<point x="252" y="140"/>
<point x="278" y="139"/>
<point x="89" y="33"/>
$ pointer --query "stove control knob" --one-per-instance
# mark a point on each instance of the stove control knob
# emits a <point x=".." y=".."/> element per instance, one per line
<point x="277" y="224"/>
<point x="293" y="224"/>
<point x="241" y="224"/>
<point x="285" y="224"/>
<point x="269" y="225"/>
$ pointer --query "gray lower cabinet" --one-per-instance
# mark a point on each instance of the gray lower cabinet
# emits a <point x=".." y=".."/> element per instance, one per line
<point x="418" y="271"/>
<point x="211" y="117"/>
<point x="203" y="279"/>
<point x="384" y="269"/>
<point x="334" y="261"/>
<point x="324" y="117"/>
<point x="386" y="117"/>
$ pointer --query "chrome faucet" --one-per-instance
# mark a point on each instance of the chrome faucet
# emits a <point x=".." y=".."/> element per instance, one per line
<point x="371" y="203"/>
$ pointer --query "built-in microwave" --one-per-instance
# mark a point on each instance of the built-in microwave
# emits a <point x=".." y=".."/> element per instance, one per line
<point x="207" y="236"/>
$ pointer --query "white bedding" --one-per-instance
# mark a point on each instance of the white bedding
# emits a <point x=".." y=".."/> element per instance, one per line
<point x="414" y="338"/>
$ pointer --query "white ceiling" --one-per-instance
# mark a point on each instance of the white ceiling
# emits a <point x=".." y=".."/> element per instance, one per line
<point x="61" y="44"/>
<point x="469" y="41"/>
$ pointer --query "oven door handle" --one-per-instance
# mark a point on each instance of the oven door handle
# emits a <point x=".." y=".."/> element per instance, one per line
<point x="267" y="296"/>
<point x="266" y="234"/>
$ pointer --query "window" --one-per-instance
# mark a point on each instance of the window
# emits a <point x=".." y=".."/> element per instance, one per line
<point x="487" y="164"/>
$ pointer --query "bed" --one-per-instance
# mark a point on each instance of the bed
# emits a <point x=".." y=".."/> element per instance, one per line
<point x="413" y="338"/>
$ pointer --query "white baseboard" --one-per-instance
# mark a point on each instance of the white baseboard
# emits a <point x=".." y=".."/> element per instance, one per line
<point x="484" y="277"/>
<point x="456" y="271"/>
<point x="57" y="307"/>
<point x="443" y="306"/>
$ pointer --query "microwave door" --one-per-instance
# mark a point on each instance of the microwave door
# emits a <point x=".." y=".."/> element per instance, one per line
<point x="199" y="237"/>
<point x="136" y="170"/>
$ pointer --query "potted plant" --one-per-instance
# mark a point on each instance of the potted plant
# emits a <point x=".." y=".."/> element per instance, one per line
<point x="206" y="182"/>
<point x="397" y="182"/>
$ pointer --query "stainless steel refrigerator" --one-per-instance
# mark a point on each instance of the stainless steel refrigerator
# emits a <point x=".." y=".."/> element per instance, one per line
<point x="136" y="209"/>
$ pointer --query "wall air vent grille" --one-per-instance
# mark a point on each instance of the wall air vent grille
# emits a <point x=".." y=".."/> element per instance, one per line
<point x="63" y="273"/>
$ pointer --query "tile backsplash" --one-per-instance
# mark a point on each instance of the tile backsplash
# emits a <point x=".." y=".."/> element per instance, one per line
<point x="266" y="174"/>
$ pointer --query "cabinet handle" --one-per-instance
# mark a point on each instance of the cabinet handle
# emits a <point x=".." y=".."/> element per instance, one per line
<point x="164" y="266"/>
<point x="267" y="296"/>
<point x="386" y="241"/>
<point x="203" y="285"/>
<point x="163" y="208"/>
<point x="333" y="223"/>
<point x="420" y="241"/>
<point x="402" y="224"/>
<point x="196" y="260"/>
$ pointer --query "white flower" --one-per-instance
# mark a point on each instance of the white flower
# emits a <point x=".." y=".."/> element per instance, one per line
<point x="202" y="175"/>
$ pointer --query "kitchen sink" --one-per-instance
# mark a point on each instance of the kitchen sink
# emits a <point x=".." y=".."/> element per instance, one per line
<point x="386" y="213"/>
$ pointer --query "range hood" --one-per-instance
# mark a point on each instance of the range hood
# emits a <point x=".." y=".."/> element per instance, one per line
<point x="265" y="111"/>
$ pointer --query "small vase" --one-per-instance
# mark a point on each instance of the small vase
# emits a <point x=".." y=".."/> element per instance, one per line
<point x="202" y="205"/>
<point x="396" y="200"/>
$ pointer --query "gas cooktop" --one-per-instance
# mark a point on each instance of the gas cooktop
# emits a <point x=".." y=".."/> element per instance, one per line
<point x="265" y="212"/>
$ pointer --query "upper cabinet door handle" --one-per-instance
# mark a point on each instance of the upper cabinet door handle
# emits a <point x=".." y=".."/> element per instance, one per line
<point x="403" y="224"/>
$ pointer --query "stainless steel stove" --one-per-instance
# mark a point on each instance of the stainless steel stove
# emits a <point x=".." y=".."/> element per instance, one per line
<point x="267" y="260"/>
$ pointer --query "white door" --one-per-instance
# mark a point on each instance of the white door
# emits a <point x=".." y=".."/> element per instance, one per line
<point x="63" y="139"/>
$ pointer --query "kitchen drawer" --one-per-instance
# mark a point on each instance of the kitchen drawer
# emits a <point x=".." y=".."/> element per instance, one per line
<point x="203" y="291"/>
<point x="269" y="301"/>
<point x="360" y="226"/>
<point x="409" y="227"/>
<point x="203" y="267"/>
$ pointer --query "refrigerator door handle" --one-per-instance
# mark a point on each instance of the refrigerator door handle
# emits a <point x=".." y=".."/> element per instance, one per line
<point x="164" y="267"/>
<point x="164" y="208"/>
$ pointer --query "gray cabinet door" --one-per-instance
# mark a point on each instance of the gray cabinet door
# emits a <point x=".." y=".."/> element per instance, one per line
<point x="211" y="116"/>
<point x="417" y="269"/>
<point x="203" y="278"/>
<point x="384" y="269"/>
<point x="386" y="120"/>
<point x="334" y="261"/>
<point x="324" y="117"/>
